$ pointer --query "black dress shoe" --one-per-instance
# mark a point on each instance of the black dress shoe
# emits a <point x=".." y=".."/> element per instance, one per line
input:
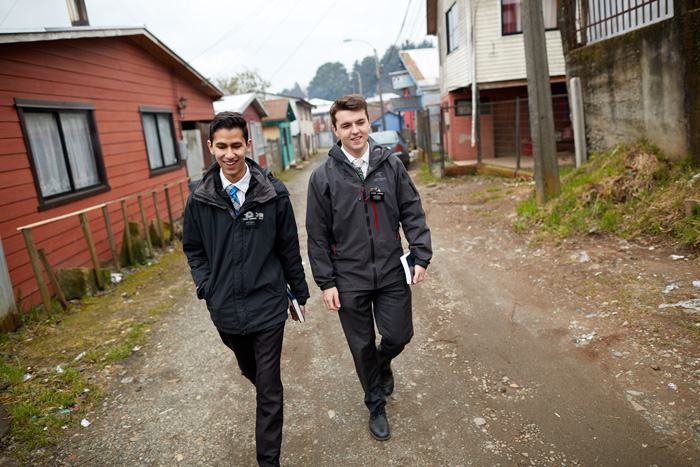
<point x="379" y="425"/>
<point x="386" y="382"/>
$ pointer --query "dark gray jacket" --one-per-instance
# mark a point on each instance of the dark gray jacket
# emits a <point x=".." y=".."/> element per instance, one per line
<point x="354" y="241"/>
<point x="241" y="264"/>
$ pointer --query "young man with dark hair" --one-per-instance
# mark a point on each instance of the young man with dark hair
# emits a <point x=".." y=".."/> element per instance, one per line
<point x="241" y="242"/>
<point x="356" y="200"/>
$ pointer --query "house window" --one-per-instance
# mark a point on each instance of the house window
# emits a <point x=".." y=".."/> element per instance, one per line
<point x="159" y="132"/>
<point x="64" y="150"/>
<point x="452" y="28"/>
<point x="258" y="139"/>
<point x="511" y="16"/>
<point x="463" y="107"/>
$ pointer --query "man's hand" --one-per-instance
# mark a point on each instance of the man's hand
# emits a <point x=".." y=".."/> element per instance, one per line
<point x="294" y="316"/>
<point x="331" y="299"/>
<point x="418" y="274"/>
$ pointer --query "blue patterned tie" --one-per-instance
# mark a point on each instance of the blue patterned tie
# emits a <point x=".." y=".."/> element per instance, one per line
<point x="231" y="190"/>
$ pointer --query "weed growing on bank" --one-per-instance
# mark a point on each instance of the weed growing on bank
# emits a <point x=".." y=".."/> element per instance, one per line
<point x="627" y="191"/>
<point x="53" y="366"/>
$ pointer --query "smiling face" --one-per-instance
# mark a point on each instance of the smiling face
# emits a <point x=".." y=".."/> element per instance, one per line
<point x="229" y="147"/>
<point x="352" y="128"/>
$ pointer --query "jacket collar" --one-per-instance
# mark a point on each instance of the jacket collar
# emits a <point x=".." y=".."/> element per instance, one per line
<point x="261" y="185"/>
<point x="377" y="154"/>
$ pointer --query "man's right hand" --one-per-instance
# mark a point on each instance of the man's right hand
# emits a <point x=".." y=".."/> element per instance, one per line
<point x="331" y="299"/>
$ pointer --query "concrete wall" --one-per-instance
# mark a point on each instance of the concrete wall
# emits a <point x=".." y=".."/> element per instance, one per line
<point x="641" y="85"/>
<point x="273" y="153"/>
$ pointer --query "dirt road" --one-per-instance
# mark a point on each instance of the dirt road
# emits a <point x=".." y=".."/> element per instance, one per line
<point x="523" y="355"/>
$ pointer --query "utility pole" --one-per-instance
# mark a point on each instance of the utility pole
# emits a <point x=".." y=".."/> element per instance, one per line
<point x="540" y="102"/>
<point x="359" y="80"/>
<point x="379" y="77"/>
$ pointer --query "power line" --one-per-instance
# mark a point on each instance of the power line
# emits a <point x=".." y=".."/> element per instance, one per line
<point x="232" y="30"/>
<point x="8" y="12"/>
<point x="408" y="7"/>
<point x="304" y="40"/>
<point x="262" y="43"/>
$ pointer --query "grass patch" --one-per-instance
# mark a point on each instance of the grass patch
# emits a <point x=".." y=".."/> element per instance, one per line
<point x="82" y="342"/>
<point x="627" y="191"/>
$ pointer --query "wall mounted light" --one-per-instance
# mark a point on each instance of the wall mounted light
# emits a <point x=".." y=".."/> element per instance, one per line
<point x="182" y="105"/>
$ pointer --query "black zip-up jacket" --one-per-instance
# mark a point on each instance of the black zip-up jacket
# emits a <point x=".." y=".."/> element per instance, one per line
<point x="241" y="264"/>
<point x="354" y="241"/>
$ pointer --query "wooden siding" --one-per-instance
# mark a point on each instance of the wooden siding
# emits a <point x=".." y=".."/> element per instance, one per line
<point x="502" y="58"/>
<point x="498" y="57"/>
<point x="454" y="67"/>
<point x="117" y="76"/>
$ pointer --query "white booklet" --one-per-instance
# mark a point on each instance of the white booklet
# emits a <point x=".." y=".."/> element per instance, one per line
<point x="407" y="263"/>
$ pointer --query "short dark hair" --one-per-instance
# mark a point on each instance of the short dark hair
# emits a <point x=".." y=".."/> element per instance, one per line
<point x="348" y="102"/>
<point x="229" y="121"/>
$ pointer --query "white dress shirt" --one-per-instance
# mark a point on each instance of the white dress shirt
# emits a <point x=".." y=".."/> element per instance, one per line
<point x="241" y="184"/>
<point x="364" y="158"/>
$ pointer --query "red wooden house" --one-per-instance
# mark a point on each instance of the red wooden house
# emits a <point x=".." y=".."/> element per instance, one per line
<point x="87" y="116"/>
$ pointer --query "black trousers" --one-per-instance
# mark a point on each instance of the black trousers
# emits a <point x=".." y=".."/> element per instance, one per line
<point x="390" y="307"/>
<point x="258" y="355"/>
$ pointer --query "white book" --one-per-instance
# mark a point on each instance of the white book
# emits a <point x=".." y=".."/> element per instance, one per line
<point x="408" y="266"/>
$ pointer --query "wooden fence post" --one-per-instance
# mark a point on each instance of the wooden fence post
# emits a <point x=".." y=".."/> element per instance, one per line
<point x="38" y="274"/>
<point x="112" y="245"/>
<point x="182" y="198"/>
<point x="160" y="225"/>
<point x="91" y="247"/>
<point x="127" y="234"/>
<point x="54" y="282"/>
<point x="145" y="227"/>
<point x="170" y="214"/>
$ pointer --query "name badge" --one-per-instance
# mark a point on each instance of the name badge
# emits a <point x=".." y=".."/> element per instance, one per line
<point x="375" y="194"/>
<point x="251" y="220"/>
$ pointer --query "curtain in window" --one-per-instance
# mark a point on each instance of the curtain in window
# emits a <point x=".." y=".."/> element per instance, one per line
<point x="549" y="12"/>
<point x="511" y="13"/>
<point x="166" y="139"/>
<point x="511" y="16"/>
<point x="79" y="147"/>
<point x="152" y="145"/>
<point x="46" y="147"/>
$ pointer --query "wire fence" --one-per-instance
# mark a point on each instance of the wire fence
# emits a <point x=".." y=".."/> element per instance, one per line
<point x="503" y="132"/>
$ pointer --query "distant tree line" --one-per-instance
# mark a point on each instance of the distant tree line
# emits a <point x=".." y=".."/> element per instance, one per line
<point x="332" y="79"/>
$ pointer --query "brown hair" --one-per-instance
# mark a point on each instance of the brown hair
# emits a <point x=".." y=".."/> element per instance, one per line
<point x="348" y="102"/>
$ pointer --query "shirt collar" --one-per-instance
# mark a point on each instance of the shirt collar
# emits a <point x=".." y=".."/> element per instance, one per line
<point x="365" y="156"/>
<point x="241" y="184"/>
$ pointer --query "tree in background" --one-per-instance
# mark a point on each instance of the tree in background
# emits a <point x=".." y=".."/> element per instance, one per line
<point x="296" y="91"/>
<point x="242" y="82"/>
<point x="331" y="82"/>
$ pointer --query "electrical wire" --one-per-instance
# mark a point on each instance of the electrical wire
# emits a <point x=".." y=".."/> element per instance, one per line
<point x="405" y="15"/>
<point x="303" y="40"/>
<point x="231" y="31"/>
<point x="8" y="12"/>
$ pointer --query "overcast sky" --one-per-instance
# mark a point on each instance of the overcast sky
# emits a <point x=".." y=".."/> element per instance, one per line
<point x="285" y="40"/>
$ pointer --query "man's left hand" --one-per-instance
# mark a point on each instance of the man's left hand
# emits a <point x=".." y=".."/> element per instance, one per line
<point x="291" y="311"/>
<point x="418" y="274"/>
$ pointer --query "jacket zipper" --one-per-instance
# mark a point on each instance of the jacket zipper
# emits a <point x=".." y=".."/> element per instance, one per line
<point x="369" y="229"/>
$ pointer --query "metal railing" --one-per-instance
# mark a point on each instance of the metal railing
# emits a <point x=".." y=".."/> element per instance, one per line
<point x="595" y="20"/>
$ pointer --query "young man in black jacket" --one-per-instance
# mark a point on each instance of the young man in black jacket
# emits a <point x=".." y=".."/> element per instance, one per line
<point x="241" y="242"/>
<point x="356" y="201"/>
